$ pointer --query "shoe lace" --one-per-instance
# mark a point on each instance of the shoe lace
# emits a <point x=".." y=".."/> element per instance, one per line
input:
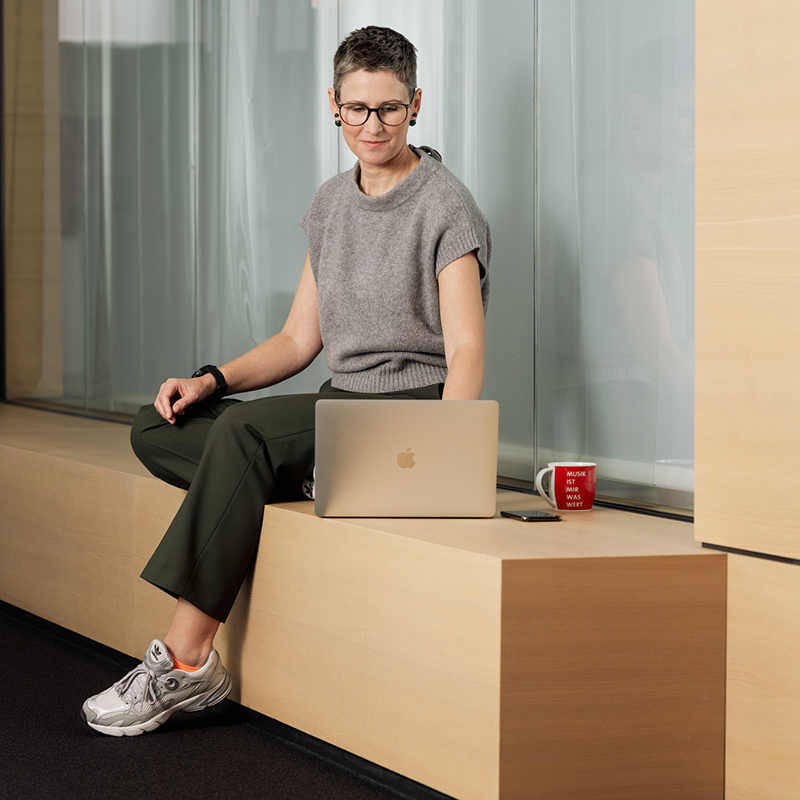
<point x="148" y="687"/>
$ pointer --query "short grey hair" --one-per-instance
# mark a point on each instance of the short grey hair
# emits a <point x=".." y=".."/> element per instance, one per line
<point x="374" y="49"/>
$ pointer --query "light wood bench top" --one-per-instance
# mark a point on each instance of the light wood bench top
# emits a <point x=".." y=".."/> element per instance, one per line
<point x="601" y="532"/>
<point x="86" y="441"/>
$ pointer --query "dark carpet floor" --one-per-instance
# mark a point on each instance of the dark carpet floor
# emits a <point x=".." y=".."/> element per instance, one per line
<point x="47" y="751"/>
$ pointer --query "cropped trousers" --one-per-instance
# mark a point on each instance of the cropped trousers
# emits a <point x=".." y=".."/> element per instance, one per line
<point x="232" y="457"/>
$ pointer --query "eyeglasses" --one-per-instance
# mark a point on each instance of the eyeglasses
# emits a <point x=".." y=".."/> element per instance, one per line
<point x="391" y="114"/>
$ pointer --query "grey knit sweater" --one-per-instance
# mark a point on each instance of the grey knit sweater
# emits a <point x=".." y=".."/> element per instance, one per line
<point x="376" y="261"/>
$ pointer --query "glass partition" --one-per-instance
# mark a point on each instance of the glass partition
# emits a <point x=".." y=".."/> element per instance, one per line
<point x="127" y="213"/>
<point x="615" y="249"/>
<point x="189" y="150"/>
<point x="192" y="136"/>
<point x="476" y="70"/>
<point x="182" y="140"/>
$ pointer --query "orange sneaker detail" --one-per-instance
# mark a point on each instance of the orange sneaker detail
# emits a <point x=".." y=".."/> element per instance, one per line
<point x="184" y="667"/>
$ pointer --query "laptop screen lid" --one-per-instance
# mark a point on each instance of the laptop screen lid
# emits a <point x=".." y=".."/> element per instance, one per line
<point x="406" y="458"/>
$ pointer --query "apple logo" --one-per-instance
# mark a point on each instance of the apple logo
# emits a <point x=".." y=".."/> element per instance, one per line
<point x="406" y="460"/>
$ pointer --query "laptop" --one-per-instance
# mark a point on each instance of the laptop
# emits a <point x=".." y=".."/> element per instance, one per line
<point x="406" y="458"/>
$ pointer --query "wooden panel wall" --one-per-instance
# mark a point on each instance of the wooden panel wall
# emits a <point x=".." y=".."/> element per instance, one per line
<point x="613" y="679"/>
<point x="763" y="732"/>
<point x="748" y="381"/>
<point x="32" y="210"/>
<point x="748" y="275"/>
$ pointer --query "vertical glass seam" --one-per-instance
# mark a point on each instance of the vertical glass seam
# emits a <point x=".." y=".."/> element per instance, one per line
<point x="139" y="191"/>
<point x="535" y="228"/>
<point x="194" y="150"/>
<point x="85" y="98"/>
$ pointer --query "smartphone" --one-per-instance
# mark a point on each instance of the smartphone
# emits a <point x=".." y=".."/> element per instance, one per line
<point x="531" y="516"/>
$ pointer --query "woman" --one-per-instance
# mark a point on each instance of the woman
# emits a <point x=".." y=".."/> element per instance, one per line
<point x="394" y="286"/>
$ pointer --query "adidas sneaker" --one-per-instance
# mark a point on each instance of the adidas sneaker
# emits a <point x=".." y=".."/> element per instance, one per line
<point x="150" y="693"/>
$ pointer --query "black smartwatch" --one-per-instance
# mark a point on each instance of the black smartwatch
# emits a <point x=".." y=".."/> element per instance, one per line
<point x="222" y="384"/>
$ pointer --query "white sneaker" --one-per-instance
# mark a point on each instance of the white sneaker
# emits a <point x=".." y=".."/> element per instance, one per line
<point x="150" y="693"/>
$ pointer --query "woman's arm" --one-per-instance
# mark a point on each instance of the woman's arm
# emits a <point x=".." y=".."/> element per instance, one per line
<point x="278" y="358"/>
<point x="461" y="310"/>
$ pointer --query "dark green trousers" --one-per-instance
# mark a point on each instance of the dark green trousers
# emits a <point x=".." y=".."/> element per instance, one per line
<point x="233" y="457"/>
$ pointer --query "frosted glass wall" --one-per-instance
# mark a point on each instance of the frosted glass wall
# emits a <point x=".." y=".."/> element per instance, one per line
<point x="190" y="147"/>
<point x="615" y="255"/>
<point x="264" y="145"/>
<point x="195" y="132"/>
<point x="126" y="196"/>
<point x="194" y="135"/>
<point x="476" y="74"/>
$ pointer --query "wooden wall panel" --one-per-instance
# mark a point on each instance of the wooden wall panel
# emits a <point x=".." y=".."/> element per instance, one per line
<point x="763" y="732"/>
<point x="613" y="679"/>
<point x="65" y="578"/>
<point x="747" y="274"/>
<point x="32" y="207"/>
<point x="748" y="381"/>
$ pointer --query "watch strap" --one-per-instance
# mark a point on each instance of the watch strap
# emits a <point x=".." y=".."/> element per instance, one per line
<point x="222" y="384"/>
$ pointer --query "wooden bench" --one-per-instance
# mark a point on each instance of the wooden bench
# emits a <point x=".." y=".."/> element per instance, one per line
<point x="483" y="658"/>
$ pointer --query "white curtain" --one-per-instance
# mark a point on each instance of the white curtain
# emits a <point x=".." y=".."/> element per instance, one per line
<point x="126" y="198"/>
<point x="262" y="152"/>
<point x="615" y="251"/>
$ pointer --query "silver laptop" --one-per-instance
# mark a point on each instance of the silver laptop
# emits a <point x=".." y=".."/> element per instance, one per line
<point x="406" y="458"/>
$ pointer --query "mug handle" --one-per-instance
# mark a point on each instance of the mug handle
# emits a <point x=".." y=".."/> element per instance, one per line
<point x="540" y="488"/>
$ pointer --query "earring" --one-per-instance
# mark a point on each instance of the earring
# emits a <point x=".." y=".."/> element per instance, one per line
<point x="337" y="122"/>
<point x="413" y="120"/>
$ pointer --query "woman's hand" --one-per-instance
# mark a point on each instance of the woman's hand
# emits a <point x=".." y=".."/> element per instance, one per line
<point x="177" y="394"/>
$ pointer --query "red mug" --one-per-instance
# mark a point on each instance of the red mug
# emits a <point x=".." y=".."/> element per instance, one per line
<point x="571" y="485"/>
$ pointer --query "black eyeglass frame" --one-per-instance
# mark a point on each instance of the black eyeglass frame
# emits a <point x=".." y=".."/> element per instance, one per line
<point x="377" y="111"/>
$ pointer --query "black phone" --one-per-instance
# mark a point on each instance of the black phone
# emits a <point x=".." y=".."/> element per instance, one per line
<point x="531" y="516"/>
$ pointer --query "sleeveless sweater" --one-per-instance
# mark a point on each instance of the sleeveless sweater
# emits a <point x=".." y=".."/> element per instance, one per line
<point x="376" y="261"/>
